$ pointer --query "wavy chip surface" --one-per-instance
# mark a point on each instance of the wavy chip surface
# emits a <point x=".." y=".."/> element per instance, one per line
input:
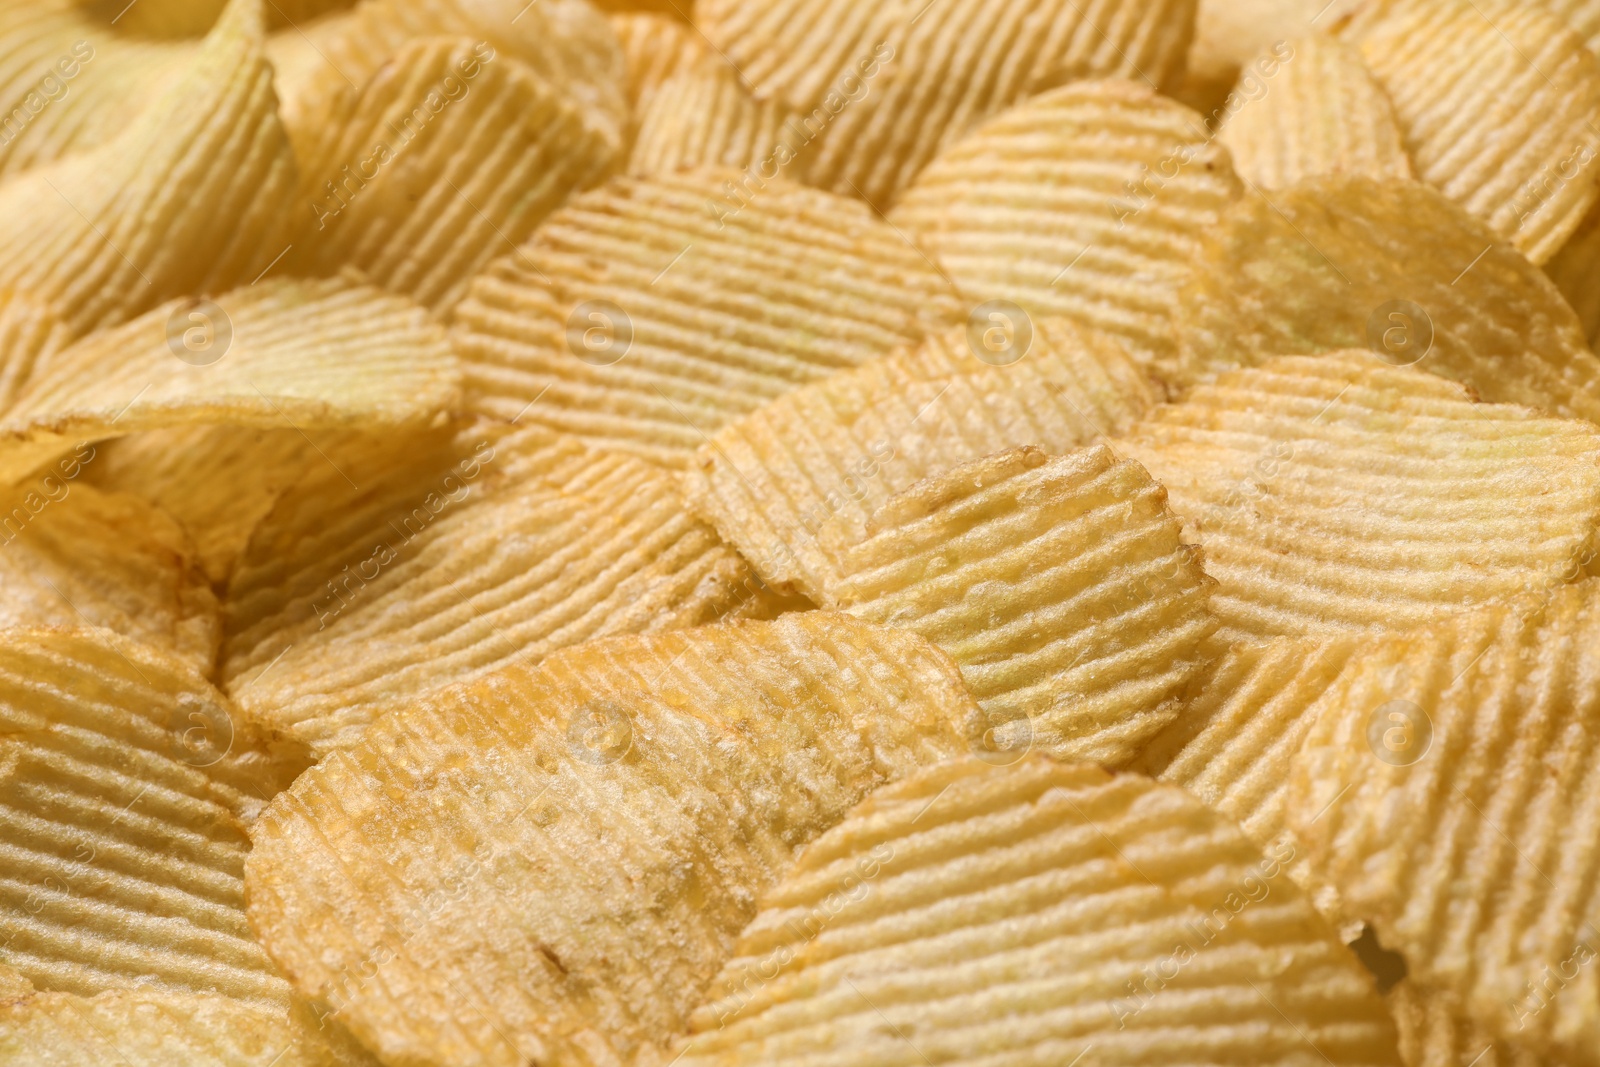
<point x="1500" y="109"/>
<point x="290" y="354"/>
<point x="448" y="157"/>
<point x="1576" y="271"/>
<point x="1088" y="202"/>
<point x="1037" y="913"/>
<point x="1432" y="1036"/>
<point x="845" y="445"/>
<point x="349" y="604"/>
<point x="1321" y="114"/>
<point x="646" y="314"/>
<point x="551" y="863"/>
<point x="704" y="116"/>
<point x="1391" y="266"/>
<point x="1447" y="792"/>
<point x="1337" y="493"/>
<point x="655" y="47"/>
<point x="1058" y="585"/>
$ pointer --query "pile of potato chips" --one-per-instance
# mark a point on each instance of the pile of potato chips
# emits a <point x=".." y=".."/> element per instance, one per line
<point x="614" y="533"/>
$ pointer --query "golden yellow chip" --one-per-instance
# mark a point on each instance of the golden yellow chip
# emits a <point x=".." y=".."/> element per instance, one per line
<point x="1059" y="586"/>
<point x="1088" y="202"/>
<point x="704" y="116"/>
<point x="880" y="87"/>
<point x="1322" y="114"/>
<point x="192" y="195"/>
<point x="288" y="354"/>
<point x="551" y="863"/>
<point x="1447" y="791"/>
<point x="846" y="444"/>
<point x="1431" y="1035"/>
<point x="648" y="313"/>
<point x="1338" y="493"/>
<point x="655" y="46"/>
<point x="351" y="603"/>
<point x="1391" y="266"/>
<point x="1500" y="110"/>
<point x="1038" y="913"/>
<point x="71" y="555"/>
<point x="30" y="333"/>
<point x="1583" y="16"/>
<point x="448" y="157"/>
<point x="1230" y="36"/>
<point x="1576" y="271"/>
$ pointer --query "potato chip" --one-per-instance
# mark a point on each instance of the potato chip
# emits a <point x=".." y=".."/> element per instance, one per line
<point x="551" y="863"/>
<point x="1031" y="913"/>
<point x="1338" y="493"/>
<point x="300" y="68"/>
<point x="1088" y="202"/>
<point x="1392" y="266"/>
<point x="655" y="46"/>
<point x="1576" y="271"/>
<point x="879" y="88"/>
<point x="1432" y="1036"/>
<point x="846" y="444"/>
<point x="449" y="156"/>
<point x="350" y="604"/>
<point x="1500" y="110"/>
<point x="288" y="354"/>
<point x="1445" y="790"/>
<point x="1322" y="114"/>
<point x="648" y="313"/>
<point x="1229" y="35"/>
<point x="190" y="196"/>
<point x="704" y="116"/>
<point x="1059" y="586"/>
<point x="30" y="333"/>
<point x="71" y="555"/>
<point x="1582" y="15"/>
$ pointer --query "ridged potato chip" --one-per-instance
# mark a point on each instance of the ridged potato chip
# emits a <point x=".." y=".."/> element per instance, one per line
<point x="1576" y="271"/>
<point x="846" y="444"/>
<point x="348" y="605"/>
<point x="30" y="333"/>
<point x="648" y="313"/>
<point x="71" y="555"/>
<point x="1321" y="114"/>
<point x="1087" y="202"/>
<point x="1338" y="493"/>
<point x="1500" y="110"/>
<point x="1392" y="266"/>
<point x="448" y="157"/>
<point x="288" y="354"/>
<point x="879" y="88"/>
<point x="1581" y="15"/>
<point x="551" y="863"/>
<point x="1038" y="913"/>
<point x="1446" y="790"/>
<point x="655" y="46"/>
<point x="1058" y="585"/>
<point x="1230" y="34"/>
<point x="1432" y="1036"/>
<point x="192" y="195"/>
<point x="704" y="116"/>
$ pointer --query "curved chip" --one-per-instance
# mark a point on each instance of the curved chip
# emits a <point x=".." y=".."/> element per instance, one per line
<point x="1088" y="202"/>
<point x="1447" y="790"/>
<point x="71" y="555"/>
<point x="1337" y="493"/>
<point x="1038" y="913"/>
<point x="655" y="46"/>
<point x="648" y="313"/>
<point x="1431" y="1035"/>
<point x="551" y="863"/>
<point x="1059" y="586"/>
<point x="1576" y="271"/>
<point x="1321" y="114"/>
<point x="125" y="784"/>
<point x="846" y="444"/>
<point x="1392" y="266"/>
<point x="349" y="604"/>
<point x="1500" y="110"/>
<point x="880" y="87"/>
<point x="193" y="195"/>
<point x="30" y="333"/>
<point x="449" y="156"/>
<point x="290" y="354"/>
<point x="704" y="116"/>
